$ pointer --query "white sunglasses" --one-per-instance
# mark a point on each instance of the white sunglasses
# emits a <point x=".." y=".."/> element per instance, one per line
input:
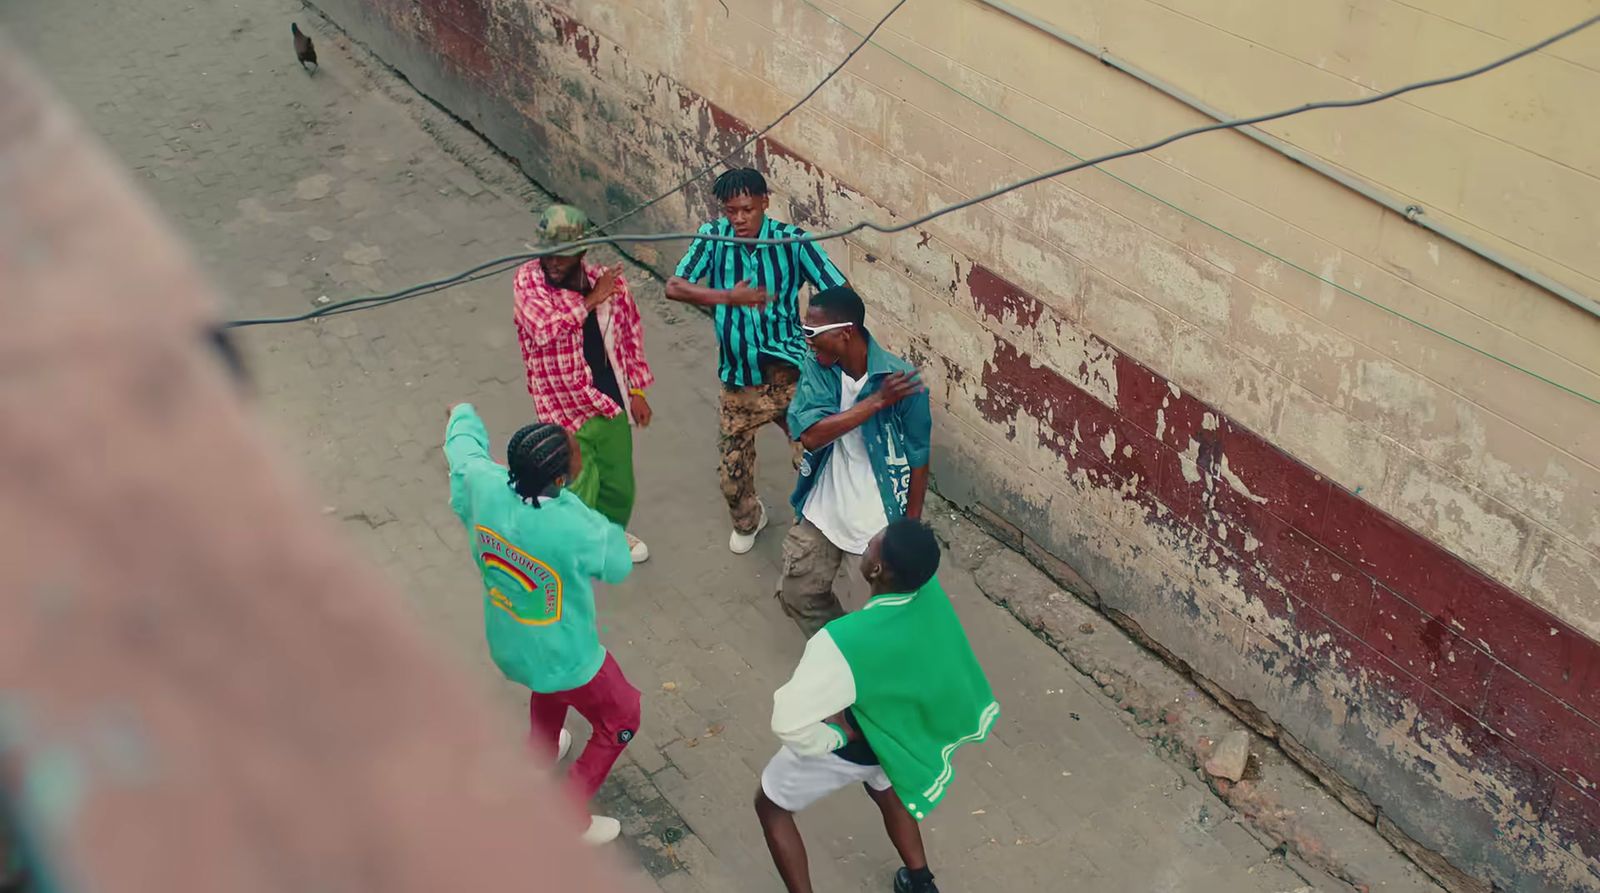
<point x="814" y="331"/>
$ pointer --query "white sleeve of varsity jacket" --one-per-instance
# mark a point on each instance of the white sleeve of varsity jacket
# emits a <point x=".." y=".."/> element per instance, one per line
<point x="821" y="686"/>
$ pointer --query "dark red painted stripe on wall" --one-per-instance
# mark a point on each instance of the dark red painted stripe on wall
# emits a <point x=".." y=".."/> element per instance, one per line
<point x="1520" y="683"/>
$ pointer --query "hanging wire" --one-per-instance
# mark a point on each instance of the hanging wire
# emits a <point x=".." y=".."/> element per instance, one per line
<point x="498" y="265"/>
<point x="737" y="150"/>
<point x="1243" y="240"/>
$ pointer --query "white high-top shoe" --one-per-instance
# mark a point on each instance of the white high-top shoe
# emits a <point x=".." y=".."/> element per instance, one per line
<point x="740" y="543"/>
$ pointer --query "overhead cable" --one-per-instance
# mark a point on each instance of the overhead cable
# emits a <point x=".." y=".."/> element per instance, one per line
<point x="644" y="238"/>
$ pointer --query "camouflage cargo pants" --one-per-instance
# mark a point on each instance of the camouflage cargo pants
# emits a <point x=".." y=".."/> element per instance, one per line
<point x="744" y="410"/>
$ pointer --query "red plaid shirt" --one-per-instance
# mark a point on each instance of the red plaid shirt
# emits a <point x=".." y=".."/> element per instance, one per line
<point x="550" y="328"/>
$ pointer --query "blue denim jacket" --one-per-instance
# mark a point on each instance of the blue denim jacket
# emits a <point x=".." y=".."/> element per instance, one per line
<point x="896" y="437"/>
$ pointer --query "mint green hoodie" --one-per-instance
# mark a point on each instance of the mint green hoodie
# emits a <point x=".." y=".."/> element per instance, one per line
<point x="536" y="564"/>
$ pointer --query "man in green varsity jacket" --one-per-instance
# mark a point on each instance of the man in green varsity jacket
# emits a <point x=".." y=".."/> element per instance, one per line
<point x="883" y="696"/>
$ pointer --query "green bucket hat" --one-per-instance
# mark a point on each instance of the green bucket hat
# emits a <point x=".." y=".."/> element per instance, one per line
<point x="560" y="224"/>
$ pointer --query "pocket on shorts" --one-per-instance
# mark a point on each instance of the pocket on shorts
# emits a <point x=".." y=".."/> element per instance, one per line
<point x="799" y="552"/>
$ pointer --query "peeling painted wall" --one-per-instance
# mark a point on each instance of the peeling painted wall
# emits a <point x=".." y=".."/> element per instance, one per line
<point x="1176" y="376"/>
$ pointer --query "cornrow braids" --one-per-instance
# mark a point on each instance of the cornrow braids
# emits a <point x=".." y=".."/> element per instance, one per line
<point x="739" y="181"/>
<point x="536" y="455"/>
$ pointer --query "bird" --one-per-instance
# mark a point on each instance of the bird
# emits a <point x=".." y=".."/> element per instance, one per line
<point x="303" y="48"/>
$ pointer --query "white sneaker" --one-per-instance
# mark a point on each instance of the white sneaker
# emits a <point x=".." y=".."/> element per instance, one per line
<point x="741" y="543"/>
<point x="564" y="746"/>
<point x="637" y="549"/>
<point x="602" y="829"/>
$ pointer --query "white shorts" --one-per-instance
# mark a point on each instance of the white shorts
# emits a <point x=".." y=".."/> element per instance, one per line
<point x="795" y="782"/>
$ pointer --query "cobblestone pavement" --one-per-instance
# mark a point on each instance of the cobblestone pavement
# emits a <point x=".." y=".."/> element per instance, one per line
<point x="292" y="186"/>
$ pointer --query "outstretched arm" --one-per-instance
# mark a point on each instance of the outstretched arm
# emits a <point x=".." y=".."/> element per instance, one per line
<point x="466" y="443"/>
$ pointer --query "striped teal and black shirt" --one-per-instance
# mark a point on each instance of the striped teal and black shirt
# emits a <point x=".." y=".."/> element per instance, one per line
<point x="745" y="334"/>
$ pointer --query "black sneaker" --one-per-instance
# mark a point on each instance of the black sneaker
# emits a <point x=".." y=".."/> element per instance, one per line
<point x="903" y="884"/>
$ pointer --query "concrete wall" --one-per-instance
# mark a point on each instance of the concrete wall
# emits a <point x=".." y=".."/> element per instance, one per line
<point x="1178" y="375"/>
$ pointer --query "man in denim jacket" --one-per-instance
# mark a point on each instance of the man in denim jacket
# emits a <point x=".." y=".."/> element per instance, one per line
<point x="862" y="416"/>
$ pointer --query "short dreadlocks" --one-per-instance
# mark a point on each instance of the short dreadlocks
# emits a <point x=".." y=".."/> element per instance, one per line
<point x="737" y="182"/>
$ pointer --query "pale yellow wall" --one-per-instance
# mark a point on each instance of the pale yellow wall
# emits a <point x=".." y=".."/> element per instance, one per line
<point x="1511" y="157"/>
<point x="1500" y="468"/>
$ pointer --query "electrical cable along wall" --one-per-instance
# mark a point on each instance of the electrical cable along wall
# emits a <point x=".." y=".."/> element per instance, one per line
<point x="1255" y="410"/>
<point x="1415" y="213"/>
<point x="604" y="234"/>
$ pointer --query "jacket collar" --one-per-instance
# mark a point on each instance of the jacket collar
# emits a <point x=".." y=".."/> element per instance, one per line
<point x="879" y="361"/>
<point x="890" y="599"/>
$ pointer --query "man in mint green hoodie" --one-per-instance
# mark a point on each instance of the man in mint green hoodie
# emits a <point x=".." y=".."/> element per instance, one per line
<point x="883" y="696"/>
<point x="537" y="546"/>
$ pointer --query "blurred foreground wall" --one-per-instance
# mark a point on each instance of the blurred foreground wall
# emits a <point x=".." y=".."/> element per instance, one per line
<point x="201" y="688"/>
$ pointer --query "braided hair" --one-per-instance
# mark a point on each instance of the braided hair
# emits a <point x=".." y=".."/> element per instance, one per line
<point x="737" y="182"/>
<point x="536" y="455"/>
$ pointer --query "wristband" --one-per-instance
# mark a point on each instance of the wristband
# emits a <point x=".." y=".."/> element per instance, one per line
<point x="635" y="392"/>
<point x="843" y="738"/>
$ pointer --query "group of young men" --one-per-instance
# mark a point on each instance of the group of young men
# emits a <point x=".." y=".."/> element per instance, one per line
<point x="885" y="693"/>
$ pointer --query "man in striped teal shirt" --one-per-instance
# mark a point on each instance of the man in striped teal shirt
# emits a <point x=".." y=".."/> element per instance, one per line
<point x="755" y="293"/>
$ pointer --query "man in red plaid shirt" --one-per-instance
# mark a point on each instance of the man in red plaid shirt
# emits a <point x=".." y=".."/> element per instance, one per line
<point x="583" y="344"/>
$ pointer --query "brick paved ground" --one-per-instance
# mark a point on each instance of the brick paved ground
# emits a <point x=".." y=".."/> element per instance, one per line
<point x="291" y="187"/>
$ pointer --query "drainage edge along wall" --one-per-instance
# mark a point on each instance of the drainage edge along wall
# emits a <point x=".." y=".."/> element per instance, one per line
<point x="1462" y="712"/>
